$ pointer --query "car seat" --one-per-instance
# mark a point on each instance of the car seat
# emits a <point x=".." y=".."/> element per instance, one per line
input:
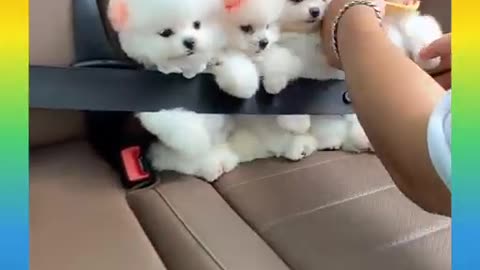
<point x="330" y="211"/>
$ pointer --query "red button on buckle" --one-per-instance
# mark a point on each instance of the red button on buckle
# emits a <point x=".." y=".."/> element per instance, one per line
<point x="133" y="165"/>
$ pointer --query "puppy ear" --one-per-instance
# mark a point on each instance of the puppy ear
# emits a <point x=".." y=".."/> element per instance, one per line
<point x="231" y="5"/>
<point x="118" y="14"/>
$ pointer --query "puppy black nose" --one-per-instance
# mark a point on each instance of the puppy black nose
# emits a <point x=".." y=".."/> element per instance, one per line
<point x="263" y="43"/>
<point x="189" y="43"/>
<point x="314" y="12"/>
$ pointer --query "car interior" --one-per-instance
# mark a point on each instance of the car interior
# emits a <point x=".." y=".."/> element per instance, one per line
<point x="332" y="210"/>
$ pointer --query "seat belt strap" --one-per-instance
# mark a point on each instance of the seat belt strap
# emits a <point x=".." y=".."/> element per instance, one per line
<point x="112" y="89"/>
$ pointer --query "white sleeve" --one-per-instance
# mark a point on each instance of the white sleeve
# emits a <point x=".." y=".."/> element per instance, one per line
<point x="439" y="138"/>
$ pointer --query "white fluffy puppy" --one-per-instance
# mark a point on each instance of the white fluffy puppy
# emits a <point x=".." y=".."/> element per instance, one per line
<point x="257" y="137"/>
<point x="412" y="31"/>
<point x="251" y="30"/>
<point x="340" y="132"/>
<point x="300" y="22"/>
<point x="190" y="143"/>
<point x="169" y="36"/>
<point x="175" y="37"/>
<point x="235" y="73"/>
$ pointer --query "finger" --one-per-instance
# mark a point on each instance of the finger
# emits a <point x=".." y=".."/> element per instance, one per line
<point x="445" y="80"/>
<point x="445" y="65"/>
<point x="439" y="47"/>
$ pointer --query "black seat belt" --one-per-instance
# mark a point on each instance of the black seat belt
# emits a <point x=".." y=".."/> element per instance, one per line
<point x="103" y="79"/>
<point x="108" y="86"/>
<point x="109" y="89"/>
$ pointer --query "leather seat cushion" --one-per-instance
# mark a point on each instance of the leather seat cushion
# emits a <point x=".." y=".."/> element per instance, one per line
<point x="192" y="227"/>
<point x="79" y="218"/>
<point x="336" y="210"/>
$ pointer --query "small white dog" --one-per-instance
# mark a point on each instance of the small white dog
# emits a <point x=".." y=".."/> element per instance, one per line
<point x="300" y="23"/>
<point x="412" y="31"/>
<point x="258" y="137"/>
<point x="168" y="36"/>
<point x="252" y="31"/>
<point x="180" y="38"/>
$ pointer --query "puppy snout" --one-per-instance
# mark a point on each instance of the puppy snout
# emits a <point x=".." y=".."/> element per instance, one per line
<point x="189" y="43"/>
<point x="263" y="43"/>
<point x="314" y="12"/>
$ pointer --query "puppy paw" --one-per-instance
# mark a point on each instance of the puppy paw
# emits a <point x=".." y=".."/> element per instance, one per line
<point x="189" y="74"/>
<point x="210" y="171"/>
<point x="220" y="161"/>
<point x="356" y="140"/>
<point x="229" y="161"/>
<point x="329" y="145"/>
<point x="236" y="75"/>
<point x="275" y="84"/>
<point x="301" y="147"/>
<point x="297" y="124"/>
<point x="168" y="70"/>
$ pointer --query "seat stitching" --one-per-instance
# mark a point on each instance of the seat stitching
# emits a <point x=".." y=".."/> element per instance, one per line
<point x="416" y="235"/>
<point x="267" y="177"/>
<point x="296" y="215"/>
<point x="137" y="221"/>
<point x="189" y="229"/>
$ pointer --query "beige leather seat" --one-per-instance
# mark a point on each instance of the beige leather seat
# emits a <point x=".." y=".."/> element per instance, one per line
<point x="330" y="211"/>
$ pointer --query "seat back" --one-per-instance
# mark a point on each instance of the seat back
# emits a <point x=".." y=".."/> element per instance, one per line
<point x="441" y="10"/>
<point x="51" y="44"/>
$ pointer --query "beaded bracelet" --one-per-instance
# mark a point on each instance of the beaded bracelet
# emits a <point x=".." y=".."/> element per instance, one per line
<point x="346" y="7"/>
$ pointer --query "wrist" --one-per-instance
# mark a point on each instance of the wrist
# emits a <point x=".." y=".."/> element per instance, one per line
<point x="352" y="7"/>
<point x="359" y="26"/>
<point x="359" y="18"/>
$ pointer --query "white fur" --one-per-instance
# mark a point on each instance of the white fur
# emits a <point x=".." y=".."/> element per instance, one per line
<point x="142" y="39"/>
<point x="412" y="33"/>
<point x="209" y="166"/>
<point x="237" y="71"/>
<point x="334" y="132"/>
<point x="246" y="28"/>
<point x="236" y="74"/>
<point x="299" y="16"/>
<point x="298" y="124"/>
<point x="258" y="137"/>
<point x="190" y="142"/>
<point x="300" y="35"/>
<point x="279" y="67"/>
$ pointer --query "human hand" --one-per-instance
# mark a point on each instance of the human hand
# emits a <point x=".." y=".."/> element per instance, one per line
<point x="442" y="48"/>
<point x="331" y="13"/>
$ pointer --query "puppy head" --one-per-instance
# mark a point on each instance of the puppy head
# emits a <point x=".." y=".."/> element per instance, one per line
<point x="252" y="26"/>
<point x="302" y="15"/>
<point x="154" y="30"/>
<point x="253" y="38"/>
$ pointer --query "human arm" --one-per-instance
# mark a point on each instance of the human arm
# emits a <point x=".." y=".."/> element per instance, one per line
<point x="394" y="100"/>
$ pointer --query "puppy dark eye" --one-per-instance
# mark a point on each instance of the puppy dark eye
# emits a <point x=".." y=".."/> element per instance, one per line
<point x="247" y="29"/>
<point x="296" y="1"/>
<point x="197" y="25"/>
<point x="167" y="33"/>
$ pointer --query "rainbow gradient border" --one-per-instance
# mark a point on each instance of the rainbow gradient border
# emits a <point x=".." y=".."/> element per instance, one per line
<point x="14" y="222"/>
<point x="466" y="135"/>
<point x="14" y="219"/>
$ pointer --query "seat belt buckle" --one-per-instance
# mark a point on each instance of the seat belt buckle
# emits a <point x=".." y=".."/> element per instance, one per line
<point x="137" y="170"/>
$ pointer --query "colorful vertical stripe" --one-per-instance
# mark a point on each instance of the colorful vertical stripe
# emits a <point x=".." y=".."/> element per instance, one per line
<point x="14" y="223"/>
